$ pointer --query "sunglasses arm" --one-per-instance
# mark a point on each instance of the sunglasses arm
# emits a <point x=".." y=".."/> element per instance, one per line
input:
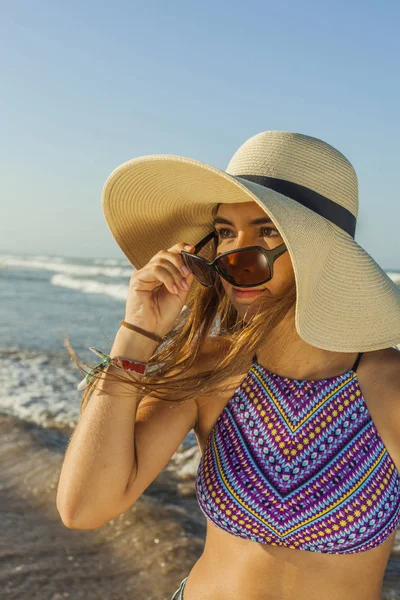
<point x="204" y="241"/>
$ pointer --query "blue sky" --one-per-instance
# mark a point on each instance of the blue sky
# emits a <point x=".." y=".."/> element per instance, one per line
<point x="89" y="85"/>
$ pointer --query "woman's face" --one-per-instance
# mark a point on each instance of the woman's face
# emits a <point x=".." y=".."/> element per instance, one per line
<point x="233" y="224"/>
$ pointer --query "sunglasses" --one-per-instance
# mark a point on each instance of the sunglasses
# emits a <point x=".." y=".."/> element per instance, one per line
<point x="244" y="267"/>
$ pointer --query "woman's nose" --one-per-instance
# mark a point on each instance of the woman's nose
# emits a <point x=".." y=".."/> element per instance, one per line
<point x="244" y="239"/>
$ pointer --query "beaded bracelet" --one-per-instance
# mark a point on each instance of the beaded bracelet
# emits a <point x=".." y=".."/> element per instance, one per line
<point x="121" y="363"/>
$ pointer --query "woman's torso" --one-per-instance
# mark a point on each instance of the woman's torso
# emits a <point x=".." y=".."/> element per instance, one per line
<point x="233" y="567"/>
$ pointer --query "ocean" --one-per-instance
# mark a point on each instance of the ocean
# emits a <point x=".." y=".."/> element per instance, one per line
<point x="43" y="298"/>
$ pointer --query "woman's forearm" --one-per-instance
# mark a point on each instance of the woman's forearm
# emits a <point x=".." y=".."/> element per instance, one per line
<point x="100" y="457"/>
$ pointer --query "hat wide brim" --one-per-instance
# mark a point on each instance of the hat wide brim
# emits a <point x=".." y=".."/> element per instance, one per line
<point x="345" y="301"/>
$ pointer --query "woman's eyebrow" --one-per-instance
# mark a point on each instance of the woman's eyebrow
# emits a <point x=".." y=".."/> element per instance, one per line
<point x="258" y="221"/>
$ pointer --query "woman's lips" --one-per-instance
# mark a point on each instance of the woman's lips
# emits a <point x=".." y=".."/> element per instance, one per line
<point x="243" y="293"/>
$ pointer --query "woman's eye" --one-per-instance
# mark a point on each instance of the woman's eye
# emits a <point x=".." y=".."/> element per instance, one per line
<point x="221" y="232"/>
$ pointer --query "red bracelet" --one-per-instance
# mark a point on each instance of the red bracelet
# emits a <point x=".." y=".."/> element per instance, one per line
<point x="129" y="365"/>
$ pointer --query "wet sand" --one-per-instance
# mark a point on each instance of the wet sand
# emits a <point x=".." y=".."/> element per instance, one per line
<point x="142" y="555"/>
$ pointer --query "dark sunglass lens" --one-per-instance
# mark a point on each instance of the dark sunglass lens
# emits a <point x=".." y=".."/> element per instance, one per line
<point x="199" y="268"/>
<point x="246" y="267"/>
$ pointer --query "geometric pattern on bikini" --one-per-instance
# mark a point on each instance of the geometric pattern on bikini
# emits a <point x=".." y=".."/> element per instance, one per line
<point x="299" y="464"/>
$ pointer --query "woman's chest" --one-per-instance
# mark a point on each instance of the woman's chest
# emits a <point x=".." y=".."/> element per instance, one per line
<point x="292" y="419"/>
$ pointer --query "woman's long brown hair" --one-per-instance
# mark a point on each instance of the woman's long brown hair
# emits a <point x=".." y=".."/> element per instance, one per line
<point x="208" y="311"/>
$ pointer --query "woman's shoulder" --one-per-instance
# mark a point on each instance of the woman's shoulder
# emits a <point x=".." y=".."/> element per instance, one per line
<point x="393" y="355"/>
<point x="391" y="362"/>
<point x="379" y="379"/>
<point x="384" y="367"/>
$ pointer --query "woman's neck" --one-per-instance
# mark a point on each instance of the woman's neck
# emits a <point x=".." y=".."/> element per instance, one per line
<point x="287" y="354"/>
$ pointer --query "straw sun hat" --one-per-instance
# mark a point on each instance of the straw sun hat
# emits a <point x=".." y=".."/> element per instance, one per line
<point x="345" y="301"/>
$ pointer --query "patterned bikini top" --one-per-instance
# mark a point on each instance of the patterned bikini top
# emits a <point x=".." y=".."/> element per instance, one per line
<point x="299" y="464"/>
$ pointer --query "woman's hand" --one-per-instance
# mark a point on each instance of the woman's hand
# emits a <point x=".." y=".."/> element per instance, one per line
<point x="158" y="291"/>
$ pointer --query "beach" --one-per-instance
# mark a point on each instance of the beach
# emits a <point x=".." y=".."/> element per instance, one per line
<point x="144" y="553"/>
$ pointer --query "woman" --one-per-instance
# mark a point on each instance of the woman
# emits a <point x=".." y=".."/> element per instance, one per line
<point x="295" y="401"/>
